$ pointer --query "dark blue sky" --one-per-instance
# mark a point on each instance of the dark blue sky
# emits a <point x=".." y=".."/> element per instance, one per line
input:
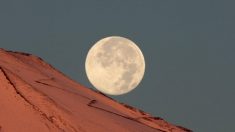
<point x="188" y="46"/>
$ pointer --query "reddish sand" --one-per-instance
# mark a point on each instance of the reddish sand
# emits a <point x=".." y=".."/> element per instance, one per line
<point x="35" y="97"/>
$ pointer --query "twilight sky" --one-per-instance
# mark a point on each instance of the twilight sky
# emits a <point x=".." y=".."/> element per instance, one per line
<point x="189" y="48"/>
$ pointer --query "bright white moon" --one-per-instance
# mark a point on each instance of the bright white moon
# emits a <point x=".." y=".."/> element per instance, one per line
<point x="115" y="65"/>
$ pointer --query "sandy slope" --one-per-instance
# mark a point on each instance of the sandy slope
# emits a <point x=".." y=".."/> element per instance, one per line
<point x="35" y="97"/>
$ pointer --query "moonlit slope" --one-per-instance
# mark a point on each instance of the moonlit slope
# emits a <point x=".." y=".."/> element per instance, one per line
<point x="35" y="97"/>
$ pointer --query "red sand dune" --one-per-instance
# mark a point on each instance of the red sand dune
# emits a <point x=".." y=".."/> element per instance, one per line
<point x="35" y="97"/>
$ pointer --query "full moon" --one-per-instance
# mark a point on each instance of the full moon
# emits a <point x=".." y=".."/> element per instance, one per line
<point x="115" y="65"/>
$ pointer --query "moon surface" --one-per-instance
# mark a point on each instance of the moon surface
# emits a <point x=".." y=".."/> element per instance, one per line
<point x="115" y="65"/>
